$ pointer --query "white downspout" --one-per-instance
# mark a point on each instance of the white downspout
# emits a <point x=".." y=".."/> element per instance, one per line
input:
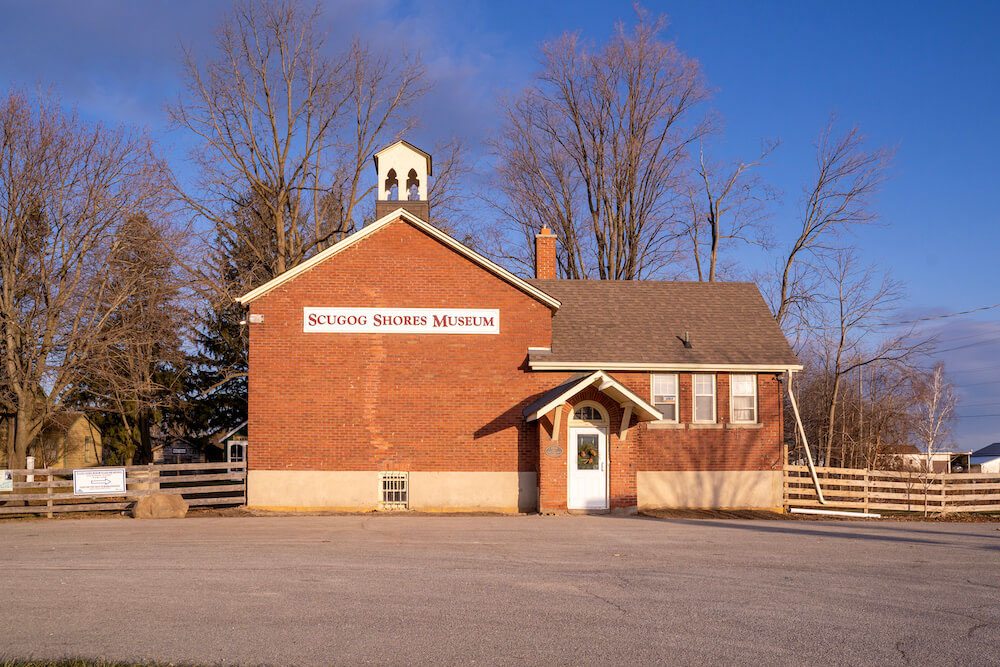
<point x="805" y="441"/>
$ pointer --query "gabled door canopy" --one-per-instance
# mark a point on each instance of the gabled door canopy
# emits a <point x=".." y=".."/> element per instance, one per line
<point x="634" y="405"/>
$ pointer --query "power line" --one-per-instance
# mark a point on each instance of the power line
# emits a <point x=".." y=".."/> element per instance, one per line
<point x="918" y="320"/>
<point x="962" y="347"/>
<point x="977" y="370"/>
<point x="978" y="384"/>
<point x="979" y="334"/>
<point x="936" y="317"/>
<point x="976" y="416"/>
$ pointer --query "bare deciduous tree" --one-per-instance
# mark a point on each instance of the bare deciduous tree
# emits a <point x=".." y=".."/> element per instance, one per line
<point x="280" y="122"/>
<point x="66" y="188"/>
<point x="594" y="148"/>
<point x="449" y="189"/>
<point x="848" y="175"/>
<point x="727" y="203"/>
<point x="934" y="408"/>
<point x="133" y="377"/>
<point x="859" y="296"/>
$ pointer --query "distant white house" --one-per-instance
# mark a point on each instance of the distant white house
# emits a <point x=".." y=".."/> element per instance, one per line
<point x="909" y="457"/>
<point x="987" y="458"/>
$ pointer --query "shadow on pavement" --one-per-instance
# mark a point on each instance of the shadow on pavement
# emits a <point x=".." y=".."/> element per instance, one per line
<point x="846" y="531"/>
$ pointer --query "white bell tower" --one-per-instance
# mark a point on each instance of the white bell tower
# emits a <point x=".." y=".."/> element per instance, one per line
<point x="402" y="170"/>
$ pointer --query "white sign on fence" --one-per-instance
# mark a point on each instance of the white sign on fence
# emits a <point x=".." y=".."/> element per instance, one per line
<point x="6" y="480"/>
<point x="99" y="482"/>
<point x="401" y="320"/>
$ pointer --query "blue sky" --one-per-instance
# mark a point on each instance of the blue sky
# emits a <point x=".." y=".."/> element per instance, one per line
<point x="918" y="76"/>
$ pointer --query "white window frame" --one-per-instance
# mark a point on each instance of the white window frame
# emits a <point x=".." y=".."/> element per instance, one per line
<point x="229" y="450"/>
<point x="394" y="490"/>
<point x="677" y="395"/>
<point x="695" y="395"/>
<point x="600" y="423"/>
<point x="732" y="395"/>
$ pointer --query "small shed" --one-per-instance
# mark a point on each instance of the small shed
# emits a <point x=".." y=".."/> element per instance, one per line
<point x="178" y="450"/>
<point x="233" y="444"/>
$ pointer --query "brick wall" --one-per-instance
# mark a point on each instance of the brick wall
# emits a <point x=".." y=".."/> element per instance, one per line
<point x="322" y="401"/>
<point x="357" y="402"/>
<point x="723" y="446"/>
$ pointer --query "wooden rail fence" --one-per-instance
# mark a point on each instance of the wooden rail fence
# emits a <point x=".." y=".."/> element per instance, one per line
<point x="857" y="489"/>
<point x="201" y="484"/>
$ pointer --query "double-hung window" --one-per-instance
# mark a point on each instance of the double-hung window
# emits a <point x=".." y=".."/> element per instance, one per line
<point x="743" y="398"/>
<point x="704" y="398"/>
<point x="665" y="396"/>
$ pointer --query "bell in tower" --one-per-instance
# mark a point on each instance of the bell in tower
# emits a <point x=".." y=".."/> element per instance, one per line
<point x="402" y="180"/>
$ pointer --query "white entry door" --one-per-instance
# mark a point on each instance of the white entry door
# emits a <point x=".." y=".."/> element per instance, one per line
<point x="588" y="468"/>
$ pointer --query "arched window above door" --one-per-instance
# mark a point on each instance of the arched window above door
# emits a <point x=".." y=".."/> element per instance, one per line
<point x="589" y="412"/>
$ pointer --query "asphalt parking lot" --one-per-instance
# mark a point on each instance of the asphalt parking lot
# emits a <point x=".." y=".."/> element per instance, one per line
<point x="530" y="589"/>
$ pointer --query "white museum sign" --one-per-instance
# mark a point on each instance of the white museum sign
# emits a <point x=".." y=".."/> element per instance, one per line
<point x="401" y="320"/>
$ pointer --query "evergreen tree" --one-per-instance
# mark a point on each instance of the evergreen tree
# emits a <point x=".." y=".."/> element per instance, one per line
<point x="244" y="257"/>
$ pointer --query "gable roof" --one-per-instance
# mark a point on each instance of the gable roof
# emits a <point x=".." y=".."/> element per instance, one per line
<point x="427" y="156"/>
<point x="63" y="421"/>
<point x="989" y="450"/>
<point x="902" y="448"/>
<point x="401" y="214"/>
<point x="574" y="385"/>
<point x="640" y="325"/>
<point x="219" y="439"/>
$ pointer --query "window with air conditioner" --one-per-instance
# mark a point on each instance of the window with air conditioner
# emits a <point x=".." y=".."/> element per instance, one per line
<point x="665" y="395"/>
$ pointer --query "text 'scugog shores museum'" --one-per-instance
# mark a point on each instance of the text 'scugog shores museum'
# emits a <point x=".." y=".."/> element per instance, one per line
<point x="400" y="368"/>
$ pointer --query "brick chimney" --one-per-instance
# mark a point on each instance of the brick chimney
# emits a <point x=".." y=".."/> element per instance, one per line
<point x="545" y="254"/>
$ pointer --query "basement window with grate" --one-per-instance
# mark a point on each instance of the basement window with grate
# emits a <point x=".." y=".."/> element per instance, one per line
<point x="395" y="490"/>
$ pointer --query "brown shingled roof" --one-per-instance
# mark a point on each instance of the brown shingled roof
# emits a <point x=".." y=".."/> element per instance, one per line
<point x="636" y="322"/>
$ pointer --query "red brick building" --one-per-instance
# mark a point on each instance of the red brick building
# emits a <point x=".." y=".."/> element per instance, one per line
<point x="399" y="368"/>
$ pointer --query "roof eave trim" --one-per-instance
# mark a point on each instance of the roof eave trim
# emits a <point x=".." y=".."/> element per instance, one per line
<point x="427" y="156"/>
<point x="594" y="378"/>
<point x="545" y="365"/>
<point x="431" y="230"/>
<point x="234" y="430"/>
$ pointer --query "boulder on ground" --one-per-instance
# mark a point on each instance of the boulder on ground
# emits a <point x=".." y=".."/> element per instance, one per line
<point x="160" y="506"/>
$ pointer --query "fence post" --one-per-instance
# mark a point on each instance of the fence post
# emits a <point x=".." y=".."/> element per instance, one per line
<point x="866" y="491"/>
<point x="48" y="492"/>
<point x="944" y="494"/>
<point x="150" y="476"/>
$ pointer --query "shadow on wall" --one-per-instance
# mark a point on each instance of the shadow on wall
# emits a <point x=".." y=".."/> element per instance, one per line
<point x="527" y="446"/>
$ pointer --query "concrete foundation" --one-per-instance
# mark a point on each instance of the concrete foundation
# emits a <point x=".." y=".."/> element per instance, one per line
<point x="359" y="491"/>
<point x="703" y="489"/>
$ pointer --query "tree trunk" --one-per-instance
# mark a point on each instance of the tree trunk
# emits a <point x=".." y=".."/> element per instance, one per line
<point x="10" y="423"/>
<point x="23" y="435"/>
<point x="831" y="417"/>
<point x="144" y="451"/>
